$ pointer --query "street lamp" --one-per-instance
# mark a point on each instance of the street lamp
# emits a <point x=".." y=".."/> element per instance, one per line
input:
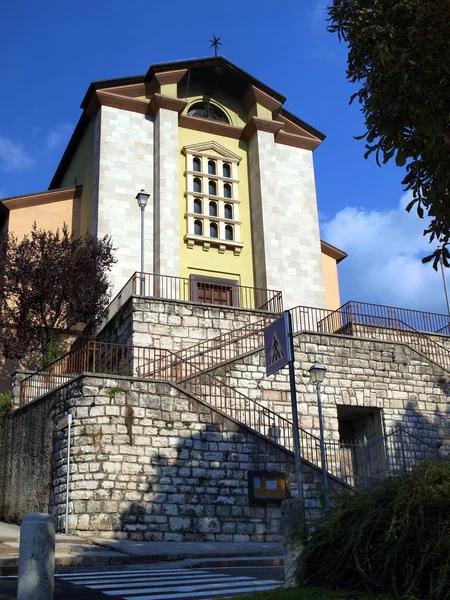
<point x="142" y="199"/>
<point x="316" y="375"/>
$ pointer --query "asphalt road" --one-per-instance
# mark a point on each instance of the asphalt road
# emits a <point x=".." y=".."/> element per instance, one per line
<point x="155" y="584"/>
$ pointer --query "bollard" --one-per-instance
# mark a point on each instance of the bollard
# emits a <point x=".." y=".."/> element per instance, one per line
<point x="294" y="537"/>
<point x="36" y="557"/>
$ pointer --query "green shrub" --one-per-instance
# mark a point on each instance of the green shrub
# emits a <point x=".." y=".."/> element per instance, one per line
<point x="5" y="402"/>
<point x="394" y="540"/>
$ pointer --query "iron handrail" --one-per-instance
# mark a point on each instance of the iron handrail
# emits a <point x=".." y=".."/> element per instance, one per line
<point x="417" y="319"/>
<point x="183" y="289"/>
<point x="440" y="354"/>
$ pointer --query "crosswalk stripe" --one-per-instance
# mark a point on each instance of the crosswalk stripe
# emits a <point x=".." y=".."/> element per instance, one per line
<point x="114" y="573"/>
<point x="208" y="595"/>
<point x="189" y="588"/>
<point x="125" y="575"/>
<point x="105" y="585"/>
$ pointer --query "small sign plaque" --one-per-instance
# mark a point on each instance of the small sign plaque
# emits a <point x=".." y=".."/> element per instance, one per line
<point x="266" y="487"/>
<point x="64" y="422"/>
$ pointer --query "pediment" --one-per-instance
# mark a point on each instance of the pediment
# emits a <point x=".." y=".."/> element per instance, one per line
<point x="212" y="148"/>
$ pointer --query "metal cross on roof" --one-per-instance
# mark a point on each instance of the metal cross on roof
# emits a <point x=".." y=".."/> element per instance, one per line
<point x="216" y="43"/>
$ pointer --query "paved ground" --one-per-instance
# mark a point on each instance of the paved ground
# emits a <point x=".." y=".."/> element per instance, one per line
<point x="156" y="584"/>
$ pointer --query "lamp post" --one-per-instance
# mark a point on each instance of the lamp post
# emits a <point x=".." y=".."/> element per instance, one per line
<point x="316" y="375"/>
<point x="142" y="199"/>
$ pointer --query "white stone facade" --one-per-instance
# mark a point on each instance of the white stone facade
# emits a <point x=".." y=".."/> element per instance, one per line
<point x="167" y="195"/>
<point x="126" y="166"/>
<point x="286" y="237"/>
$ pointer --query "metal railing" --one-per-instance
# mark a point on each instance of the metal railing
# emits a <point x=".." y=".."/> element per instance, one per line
<point x="384" y="316"/>
<point x="229" y="346"/>
<point x="372" y="326"/>
<point x="362" y="463"/>
<point x="167" y="287"/>
<point x="94" y="357"/>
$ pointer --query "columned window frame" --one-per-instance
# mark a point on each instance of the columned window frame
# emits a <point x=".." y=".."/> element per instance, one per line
<point x="217" y="188"/>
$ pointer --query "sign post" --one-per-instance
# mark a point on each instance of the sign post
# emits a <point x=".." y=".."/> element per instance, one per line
<point x="66" y="422"/>
<point x="279" y="351"/>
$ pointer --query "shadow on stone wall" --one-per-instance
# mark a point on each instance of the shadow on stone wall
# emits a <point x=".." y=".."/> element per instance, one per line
<point x="199" y="492"/>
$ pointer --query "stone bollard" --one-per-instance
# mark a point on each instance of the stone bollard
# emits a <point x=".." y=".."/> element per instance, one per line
<point x="294" y="537"/>
<point x="36" y="557"/>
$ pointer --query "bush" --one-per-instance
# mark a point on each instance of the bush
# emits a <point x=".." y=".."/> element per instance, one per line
<point x="394" y="540"/>
<point x="5" y="402"/>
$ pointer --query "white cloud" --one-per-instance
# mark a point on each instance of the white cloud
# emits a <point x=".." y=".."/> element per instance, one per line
<point x="58" y="135"/>
<point x="13" y="156"/>
<point x="384" y="263"/>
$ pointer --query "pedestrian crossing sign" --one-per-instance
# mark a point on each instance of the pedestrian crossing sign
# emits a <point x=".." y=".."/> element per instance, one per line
<point x="276" y="345"/>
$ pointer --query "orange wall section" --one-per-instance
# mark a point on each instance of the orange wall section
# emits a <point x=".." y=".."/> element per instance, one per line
<point x="331" y="280"/>
<point x="49" y="211"/>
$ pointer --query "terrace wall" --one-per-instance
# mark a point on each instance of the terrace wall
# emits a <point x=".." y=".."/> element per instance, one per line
<point x="173" y="325"/>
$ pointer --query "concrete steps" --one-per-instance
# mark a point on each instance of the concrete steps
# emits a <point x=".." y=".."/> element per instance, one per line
<point x="70" y="551"/>
<point x="73" y="552"/>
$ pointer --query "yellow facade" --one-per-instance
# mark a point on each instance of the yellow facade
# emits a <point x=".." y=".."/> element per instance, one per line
<point x="330" y="275"/>
<point x="195" y="261"/>
<point x="47" y="215"/>
<point x="81" y="172"/>
<point x="233" y="109"/>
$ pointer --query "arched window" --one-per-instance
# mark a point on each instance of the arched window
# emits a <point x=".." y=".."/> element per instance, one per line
<point x="211" y="167"/>
<point x="226" y="170"/>
<point x="212" y="188"/>
<point x="206" y="110"/>
<point x="213" y="230"/>
<point x="198" y="228"/>
<point x="198" y="206"/>
<point x="197" y="185"/>
<point x="196" y="163"/>
<point x="228" y="211"/>
<point x="228" y="232"/>
<point x="213" y="209"/>
<point x="227" y="190"/>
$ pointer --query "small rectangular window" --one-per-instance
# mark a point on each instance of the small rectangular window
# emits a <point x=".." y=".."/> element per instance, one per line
<point x="213" y="290"/>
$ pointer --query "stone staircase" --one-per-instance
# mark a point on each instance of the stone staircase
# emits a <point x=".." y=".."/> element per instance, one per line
<point x="190" y="369"/>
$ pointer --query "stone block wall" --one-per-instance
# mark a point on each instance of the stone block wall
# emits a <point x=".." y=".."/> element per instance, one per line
<point x="408" y="389"/>
<point x="151" y="463"/>
<point x="173" y="325"/>
<point x="26" y="455"/>
<point x="126" y="165"/>
<point x="285" y="224"/>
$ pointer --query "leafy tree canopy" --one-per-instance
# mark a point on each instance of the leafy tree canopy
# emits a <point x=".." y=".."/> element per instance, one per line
<point x="399" y="54"/>
<point x="48" y="283"/>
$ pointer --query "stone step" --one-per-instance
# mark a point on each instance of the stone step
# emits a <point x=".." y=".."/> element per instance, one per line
<point x="9" y="548"/>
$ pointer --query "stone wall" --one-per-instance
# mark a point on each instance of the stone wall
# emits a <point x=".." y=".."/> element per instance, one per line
<point x="408" y="389"/>
<point x="26" y="454"/>
<point x="285" y="225"/>
<point x="149" y="462"/>
<point x="126" y="165"/>
<point x="173" y="325"/>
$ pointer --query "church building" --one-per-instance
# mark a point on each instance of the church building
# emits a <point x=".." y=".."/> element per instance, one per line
<point x="232" y="207"/>
<point x="205" y="183"/>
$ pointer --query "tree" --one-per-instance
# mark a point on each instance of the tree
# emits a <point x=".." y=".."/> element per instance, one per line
<point x="48" y="283"/>
<point x="399" y="51"/>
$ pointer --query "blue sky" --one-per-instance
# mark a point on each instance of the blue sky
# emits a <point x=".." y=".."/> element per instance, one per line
<point x="52" y="51"/>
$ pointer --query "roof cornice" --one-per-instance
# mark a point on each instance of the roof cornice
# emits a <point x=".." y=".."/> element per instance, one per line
<point x="332" y="251"/>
